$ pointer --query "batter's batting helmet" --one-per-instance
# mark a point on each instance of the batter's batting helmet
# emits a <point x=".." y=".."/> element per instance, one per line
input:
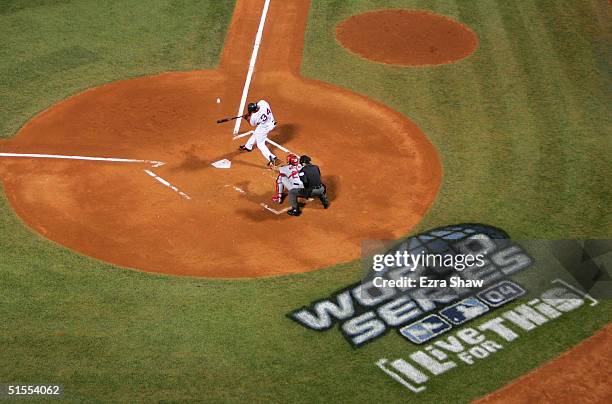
<point x="252" y="107"/>
<point x="293" y="160"/>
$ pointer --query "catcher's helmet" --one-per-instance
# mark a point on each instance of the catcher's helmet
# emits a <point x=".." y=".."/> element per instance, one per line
<point x="305" y="159"/>
<point x="252" y="107"/>
<point x="292" y="159"/>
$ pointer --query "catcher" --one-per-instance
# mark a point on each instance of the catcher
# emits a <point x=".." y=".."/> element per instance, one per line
<point x="288" y="178"/>
<point x="313" y="186"/>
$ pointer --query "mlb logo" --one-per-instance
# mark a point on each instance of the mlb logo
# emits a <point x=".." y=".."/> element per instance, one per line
<point x="465" y="310"/>
<point x="501" y="293"/>
<point x="425" y="329"/>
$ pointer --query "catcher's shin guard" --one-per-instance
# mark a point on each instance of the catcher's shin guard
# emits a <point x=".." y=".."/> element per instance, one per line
<point x="279" y="185"/>
<point x="278" y="198"/>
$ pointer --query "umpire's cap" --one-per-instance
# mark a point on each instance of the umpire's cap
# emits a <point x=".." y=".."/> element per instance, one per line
<point x="305" y="159"/>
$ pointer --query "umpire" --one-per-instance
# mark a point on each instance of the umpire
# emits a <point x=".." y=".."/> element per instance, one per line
<point x="311" y="178"/>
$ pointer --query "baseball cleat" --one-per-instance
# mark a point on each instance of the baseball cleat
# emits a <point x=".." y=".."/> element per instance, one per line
<point x="277" y="199"/>
<point x="294" y="212"/>
<point x="274" y="162"/>
<point x="325" y="204"/>
<point x="244" y="148"/>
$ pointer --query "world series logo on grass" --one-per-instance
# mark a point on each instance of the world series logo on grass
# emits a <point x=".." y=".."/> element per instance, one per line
<point x="425" y="329"/>
<point x="465" y="310"/>
<point x="462" y="312"/>
<point x="365" y="311"/>
<point x="470" y="345"/>
<point x="441" y="322"/>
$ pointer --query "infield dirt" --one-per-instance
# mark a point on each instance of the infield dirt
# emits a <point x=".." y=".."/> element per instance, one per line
<point x="581" y="375"/>
<point x="382" y="172"/>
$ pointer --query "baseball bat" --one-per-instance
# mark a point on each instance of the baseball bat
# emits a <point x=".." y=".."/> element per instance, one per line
<point x="230" y="119"/>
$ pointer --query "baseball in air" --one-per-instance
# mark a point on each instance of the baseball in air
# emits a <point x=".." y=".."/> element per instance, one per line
<point x="218" y="100"/>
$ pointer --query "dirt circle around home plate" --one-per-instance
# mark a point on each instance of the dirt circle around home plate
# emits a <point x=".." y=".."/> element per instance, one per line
<point x="381" y="171"/>
<point x="406" y="37"/>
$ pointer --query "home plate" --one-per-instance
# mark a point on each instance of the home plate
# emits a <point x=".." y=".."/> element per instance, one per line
<point x="225" y="163"/>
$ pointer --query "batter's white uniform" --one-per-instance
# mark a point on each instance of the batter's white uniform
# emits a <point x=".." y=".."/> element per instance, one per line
<point x="264" y="122"/>
<point x="288" y="179"/>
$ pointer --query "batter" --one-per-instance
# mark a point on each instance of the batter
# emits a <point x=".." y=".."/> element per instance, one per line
<point x="260" y="116"/>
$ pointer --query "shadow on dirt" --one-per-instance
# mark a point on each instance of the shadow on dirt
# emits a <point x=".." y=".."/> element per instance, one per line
<point x="260" y="215"/>
<point x="192" y="162"/>
<point x="332" y="184"/>
<point x="283" y="133"/>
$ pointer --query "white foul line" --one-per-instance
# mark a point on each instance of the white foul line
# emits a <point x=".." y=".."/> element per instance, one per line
<point x="166" y="183"/>
<point x="154" y="163"/>
<point x="247" y="82"/>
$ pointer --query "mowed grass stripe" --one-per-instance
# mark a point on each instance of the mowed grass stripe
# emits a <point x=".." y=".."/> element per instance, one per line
<point x="516" y="121"/>
<point x="551" y="123"/>
<point x="572" y="66"/>
<point x="574" y="52"/>
<point x="486" y="144"/>
<point x="567" y="187"/>
<point x="469" y="138"/>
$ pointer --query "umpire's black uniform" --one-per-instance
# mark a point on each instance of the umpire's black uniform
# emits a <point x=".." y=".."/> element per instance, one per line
<point x="311" y="178"/>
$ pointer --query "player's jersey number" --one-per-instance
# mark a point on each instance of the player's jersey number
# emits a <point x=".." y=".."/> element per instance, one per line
<point x="264" y="117"/>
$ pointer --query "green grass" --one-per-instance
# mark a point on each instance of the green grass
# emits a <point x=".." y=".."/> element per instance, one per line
<point x="522" y="127"/>
<point x="53" y="49"/>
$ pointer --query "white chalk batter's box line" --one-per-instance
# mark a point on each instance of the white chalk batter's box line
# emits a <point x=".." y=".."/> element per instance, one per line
<point x="272" y="142"/>
<point x="263" y="204"/>
<point x="167" y="184"/>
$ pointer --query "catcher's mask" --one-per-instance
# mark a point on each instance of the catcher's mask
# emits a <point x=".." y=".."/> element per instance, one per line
<point x="293" y="160"/>
<point x="252" y="107"/>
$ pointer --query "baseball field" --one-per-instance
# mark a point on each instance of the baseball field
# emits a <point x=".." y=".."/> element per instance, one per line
<point x="133" y="269"/>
